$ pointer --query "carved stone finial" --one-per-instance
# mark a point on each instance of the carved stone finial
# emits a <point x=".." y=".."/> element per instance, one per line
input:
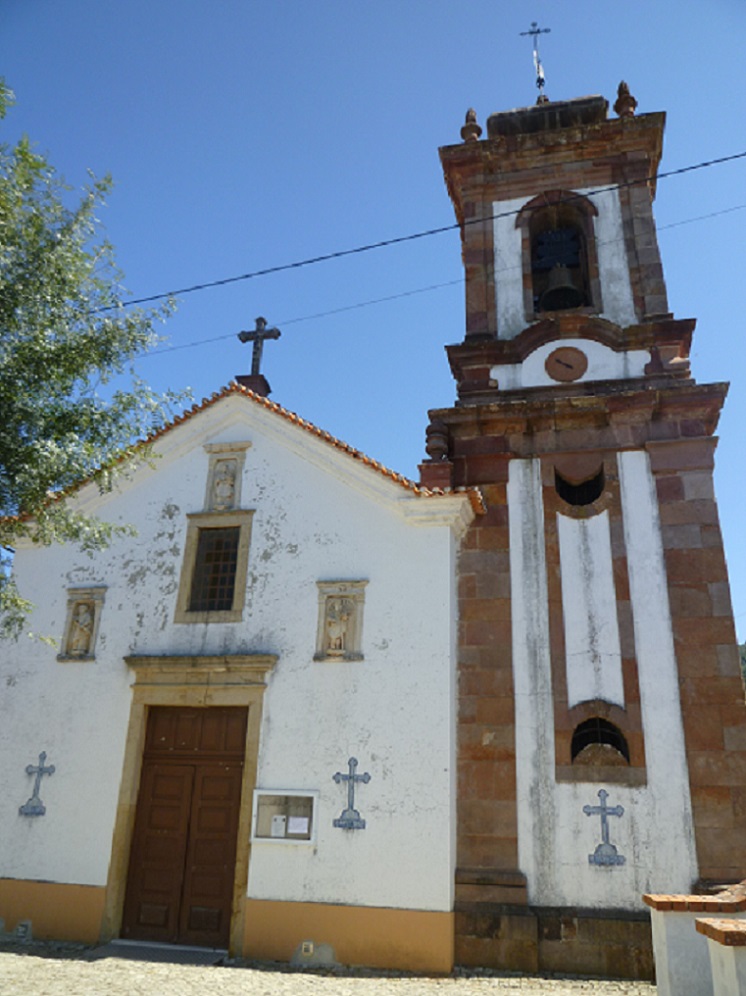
<point x="625" y="103"/>
<point x="436" y="441"/>
<point x="471" y="130"/>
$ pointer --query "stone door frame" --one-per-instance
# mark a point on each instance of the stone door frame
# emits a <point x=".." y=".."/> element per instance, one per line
<point x="230" y="680"/>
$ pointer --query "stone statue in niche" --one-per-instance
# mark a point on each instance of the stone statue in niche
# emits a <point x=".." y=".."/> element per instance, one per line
<point x="81" y="630"/>
<point x="224" y="485"/>
<point x="339" y="622"/>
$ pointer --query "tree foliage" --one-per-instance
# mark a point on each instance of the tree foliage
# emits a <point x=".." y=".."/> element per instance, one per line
<point x="64" y="335"/>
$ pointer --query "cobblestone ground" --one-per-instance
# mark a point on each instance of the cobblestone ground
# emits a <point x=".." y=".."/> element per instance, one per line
<point x="47" y="970"/>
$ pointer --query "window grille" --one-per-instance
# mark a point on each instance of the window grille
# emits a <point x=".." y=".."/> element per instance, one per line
<point x="214" y="579"/>
<point x="599" y="731"/>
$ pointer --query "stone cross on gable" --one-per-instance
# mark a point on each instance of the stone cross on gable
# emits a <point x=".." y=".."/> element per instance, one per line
<point x="258" y="337"/>
<point x="605" y="853"/>
<point x="350" y="819"/>
<point x="34" y="806"/>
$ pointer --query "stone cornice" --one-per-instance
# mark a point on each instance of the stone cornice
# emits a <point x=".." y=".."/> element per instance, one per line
<point x="664" y="332"/>
<point x="616" y="146"/>
<point x="210" y="669"/>
<point x="646" y="413"/>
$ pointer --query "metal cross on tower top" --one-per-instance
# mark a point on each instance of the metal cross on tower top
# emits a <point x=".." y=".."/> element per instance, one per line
<point x="535" y="31"/>
<point x="259" y="334"/>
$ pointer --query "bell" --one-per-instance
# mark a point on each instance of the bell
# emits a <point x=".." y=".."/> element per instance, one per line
<point x="561" y="293"/>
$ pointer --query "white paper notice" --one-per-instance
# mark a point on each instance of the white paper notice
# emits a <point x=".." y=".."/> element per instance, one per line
<point x="297" y="824"/>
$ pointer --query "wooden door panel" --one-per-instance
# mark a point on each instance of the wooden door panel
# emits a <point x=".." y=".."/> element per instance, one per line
<point x="154" y="884"/>
<point x="211" y="855"/>
<point x="182" y="859"/>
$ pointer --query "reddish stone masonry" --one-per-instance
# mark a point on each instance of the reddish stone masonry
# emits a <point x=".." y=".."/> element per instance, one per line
<point x="732" y="900"/>
<point x="730" y="933"/>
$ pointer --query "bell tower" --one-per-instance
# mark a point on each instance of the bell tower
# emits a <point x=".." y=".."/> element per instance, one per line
<point x="601" y="752"/>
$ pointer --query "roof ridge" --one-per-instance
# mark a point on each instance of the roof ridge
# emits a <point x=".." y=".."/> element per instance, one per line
<point x="474" y="495"/>
<point x="233" y="387"/>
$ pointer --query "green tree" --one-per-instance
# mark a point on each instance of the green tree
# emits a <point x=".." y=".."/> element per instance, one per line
<point x="63" y="336"/>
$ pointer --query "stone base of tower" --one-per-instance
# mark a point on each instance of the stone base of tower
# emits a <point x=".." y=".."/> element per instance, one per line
<point x="606" y="943"/>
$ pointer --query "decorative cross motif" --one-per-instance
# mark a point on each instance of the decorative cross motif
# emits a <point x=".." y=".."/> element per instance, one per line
<point x="34" y="806"/>
<point x="605" y="853"/>
<point x="260" y="333"/>
<point x="535" y="31"/>
<point x="350" y="819"/>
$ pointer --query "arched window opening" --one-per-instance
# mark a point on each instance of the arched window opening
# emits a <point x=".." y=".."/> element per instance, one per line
<point x="582" y="493"/>
<point x="597" y="741"/>
<point x="559" y="255"/>
<point x="559" y="259"/>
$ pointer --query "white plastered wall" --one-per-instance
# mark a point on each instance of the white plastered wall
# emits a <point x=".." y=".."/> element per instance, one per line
<point x="555" y="836"/>
<point x="593" y="660"/>
<point x="604" y="363"/>
<point x="318" y="516"/>
<point x="618" y="303"/>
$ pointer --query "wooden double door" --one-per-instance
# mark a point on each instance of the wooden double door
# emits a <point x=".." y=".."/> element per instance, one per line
<point x="183" y="856"/>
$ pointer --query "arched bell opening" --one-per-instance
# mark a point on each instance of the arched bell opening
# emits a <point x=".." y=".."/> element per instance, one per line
<point x="559" y="253"/>
<point x="596" y="741"/>
<point x="559" y="260"/>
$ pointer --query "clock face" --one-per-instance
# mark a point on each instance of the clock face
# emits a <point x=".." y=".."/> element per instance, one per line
<point x="566" y="363"/>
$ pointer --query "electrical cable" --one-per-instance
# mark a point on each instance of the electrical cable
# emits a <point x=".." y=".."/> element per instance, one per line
<point x="417" y="290"/>
<point x="397" y="240"/>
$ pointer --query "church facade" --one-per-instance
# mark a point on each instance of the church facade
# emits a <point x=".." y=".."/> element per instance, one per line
<point x="248" y="720"/>
<point x="311" y="710"/>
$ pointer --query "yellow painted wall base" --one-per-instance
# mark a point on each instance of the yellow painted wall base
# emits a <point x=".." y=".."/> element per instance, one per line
<point x="413" y="940"/>
<point x="59" y="911"/>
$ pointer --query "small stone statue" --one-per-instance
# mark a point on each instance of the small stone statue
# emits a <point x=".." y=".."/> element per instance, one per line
<point x="339" y="612"/>
<point x="81" y="630"/>
<point x="224" y="485"/>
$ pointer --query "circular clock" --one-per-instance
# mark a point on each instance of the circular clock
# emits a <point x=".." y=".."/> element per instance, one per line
<point x="566" y="363"/>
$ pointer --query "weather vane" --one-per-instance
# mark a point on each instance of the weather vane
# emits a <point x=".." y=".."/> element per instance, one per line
<point x="535" y="31"/>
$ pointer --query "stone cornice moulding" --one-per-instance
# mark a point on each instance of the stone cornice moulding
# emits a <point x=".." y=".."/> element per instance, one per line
<point x="212" y="669"/>
<point x="441" y="510"/>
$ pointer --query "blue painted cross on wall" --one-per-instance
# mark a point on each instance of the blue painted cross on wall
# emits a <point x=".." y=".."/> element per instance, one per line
<point x="34" y="806"/>
<point x="605" y="853"/>
<point x="349" y="819"/>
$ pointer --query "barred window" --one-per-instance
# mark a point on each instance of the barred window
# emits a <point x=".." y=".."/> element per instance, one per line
<point x="214" y="577"/>
<point x="602" y="732"/>
<point x="214" y="570"/>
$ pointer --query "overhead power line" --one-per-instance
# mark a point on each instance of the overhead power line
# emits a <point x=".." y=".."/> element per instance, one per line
<point x="410" y="293"/>
<point x="397" y="240"/>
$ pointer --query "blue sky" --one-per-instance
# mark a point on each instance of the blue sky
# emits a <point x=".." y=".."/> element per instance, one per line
<point x="243" y="134"/>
